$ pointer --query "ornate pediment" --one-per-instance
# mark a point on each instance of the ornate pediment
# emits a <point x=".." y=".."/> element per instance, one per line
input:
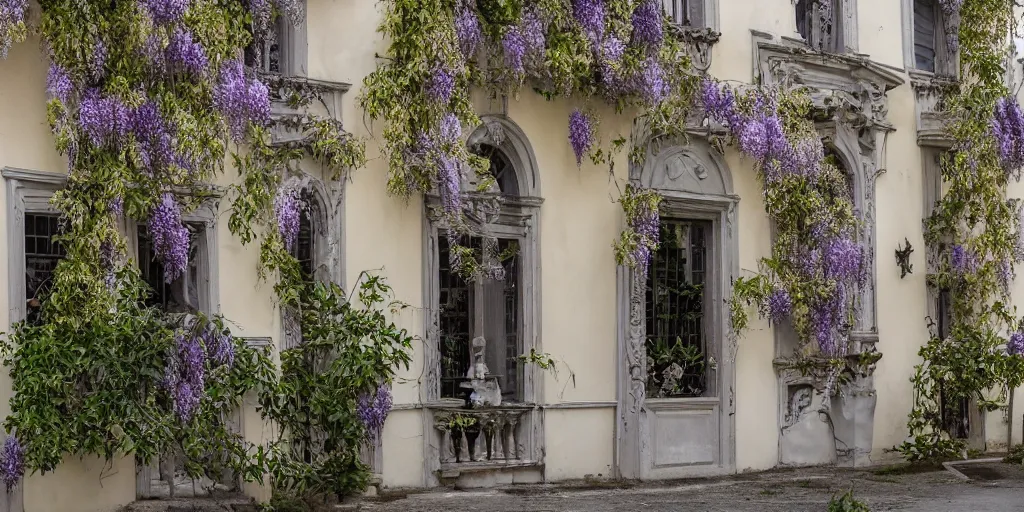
<point x="849" y="87"/>
<point x="929" y="94"/>
<point x="296" y="101"/>
<point x="699" y="42"/>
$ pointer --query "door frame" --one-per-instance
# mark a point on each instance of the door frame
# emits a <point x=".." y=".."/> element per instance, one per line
<point x="637" y="418"/>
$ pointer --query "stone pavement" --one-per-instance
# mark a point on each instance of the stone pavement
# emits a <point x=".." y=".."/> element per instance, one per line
<point x="996" y="488"/>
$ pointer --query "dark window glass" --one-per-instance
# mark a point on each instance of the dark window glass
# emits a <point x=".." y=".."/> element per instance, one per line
<point x="182" y="294"/>
<point x="485" y="307"/>
<point x="925" y="35"/>
<point x="42" y="253"/>
<point x="676" y="345"/>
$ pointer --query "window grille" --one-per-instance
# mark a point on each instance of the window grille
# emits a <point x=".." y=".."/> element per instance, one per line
<point x="305" y="243"/>
<point x="42" y="254"/>
<point x="676" y="345"/>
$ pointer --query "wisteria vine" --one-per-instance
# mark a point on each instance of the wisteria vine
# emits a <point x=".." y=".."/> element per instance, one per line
<point x="147" y="99"/>
<point x="620" y="51"/>
<point x="974" y="238"/>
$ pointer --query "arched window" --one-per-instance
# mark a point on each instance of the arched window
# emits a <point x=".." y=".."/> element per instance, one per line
<point x="483" y="319"/>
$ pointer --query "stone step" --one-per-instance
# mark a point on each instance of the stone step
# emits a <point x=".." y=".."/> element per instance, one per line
<point x="226" y="504"/>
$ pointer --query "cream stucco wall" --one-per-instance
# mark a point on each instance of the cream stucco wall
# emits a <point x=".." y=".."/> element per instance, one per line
<point x="578" y="222"/>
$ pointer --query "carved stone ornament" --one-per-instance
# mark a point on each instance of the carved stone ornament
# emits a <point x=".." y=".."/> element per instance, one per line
<point x="699" y="44"/>
<point x="929" y="94"/>
<point x="295" y="101"/>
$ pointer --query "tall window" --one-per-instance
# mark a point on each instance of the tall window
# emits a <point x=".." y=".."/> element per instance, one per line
<point x="186" y="293"/>
<point x="676" y="340"/>
<point x="42" y="253"/>
<point x="687" y="13"/>
<point x="819" y="23"/>
<point x="488" y="304"/>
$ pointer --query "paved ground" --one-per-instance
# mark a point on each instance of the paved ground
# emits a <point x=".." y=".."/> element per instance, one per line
<point x="997" y="488"/>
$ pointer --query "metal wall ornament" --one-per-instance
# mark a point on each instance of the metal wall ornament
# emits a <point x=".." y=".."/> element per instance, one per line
<point x="903" y="259"/>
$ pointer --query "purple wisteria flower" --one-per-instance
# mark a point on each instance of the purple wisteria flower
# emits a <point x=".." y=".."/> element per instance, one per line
<point x="12" y="16"/>
<point x="12" y="462"/>
<point x="185" y="375"/>
<point x="762" y="138"/>
<point x="241" y="100"/>
<point x="1008" y="130"/>
<point x="647" y="24"/>
<point x="185" y="53"/>
<point x="581" y="134"/>
<point x="220" y="346"/>
<point x="449" y="183"/>
<point x="610" y="63"/>
<point x="827" y="319"/>
<point x="778" y="305"/>
<point x="59" y="84"/>
<point x="165" y="12"/>
<point x="651" y="82"/>
<point x="467" y="28"/>
<point x="963" y="260"/>
<point x="534" y="33"/>
<point x="155" y="52"/>
<point x="104" y="120"/>
<point x="373" y="410"/>
<point x="514" y="45"/>
<point x="590" y="16"/>
<point x="646" y="223"/>
<point x="99" y="60"/>
<point x="441" y="85"/>
<point x="154" y="137"/>
<point x="720" y="103"/>
<point x="450" y="128"/>
<point x="805" y="158"/>
<point x="288" y="210"/>
<point x="843" y="259"/>
<point x="1015" y="345"/>
<point x="170" y="237"/>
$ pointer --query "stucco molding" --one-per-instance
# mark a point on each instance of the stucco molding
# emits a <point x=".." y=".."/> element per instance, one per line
<point x="492" y="215"/>
<point x="929" y="96"/>
<point x="695" y="184"/>
<point x="296" y="101"/>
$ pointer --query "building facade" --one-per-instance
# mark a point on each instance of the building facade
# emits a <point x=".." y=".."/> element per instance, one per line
<point x="873" y="67"/>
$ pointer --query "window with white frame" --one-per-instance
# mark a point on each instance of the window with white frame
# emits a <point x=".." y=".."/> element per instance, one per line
<point x="32" y="227"/>
<point x="925" y="42"/>
<point x="820" y="24"/>
<point x="687" y="13"/>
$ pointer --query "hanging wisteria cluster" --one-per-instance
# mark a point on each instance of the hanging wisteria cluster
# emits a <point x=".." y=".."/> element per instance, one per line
<point x="373" y="409"/>
<point x="816" y="264"/>
<point x="12" y="24"/>
<point x="617" y="50"/>
<point x="641" y="236"/>
<point x="195" y="350"/>
<point x="12" y="462"/>
<point x="1008" y="130"/>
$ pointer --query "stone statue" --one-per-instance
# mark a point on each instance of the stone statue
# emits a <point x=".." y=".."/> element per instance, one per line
<point x="485" y="389"/>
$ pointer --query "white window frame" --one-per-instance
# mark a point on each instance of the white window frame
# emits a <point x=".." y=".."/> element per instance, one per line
<point x="946" y="62"/>
<point x="28" y="191"/>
